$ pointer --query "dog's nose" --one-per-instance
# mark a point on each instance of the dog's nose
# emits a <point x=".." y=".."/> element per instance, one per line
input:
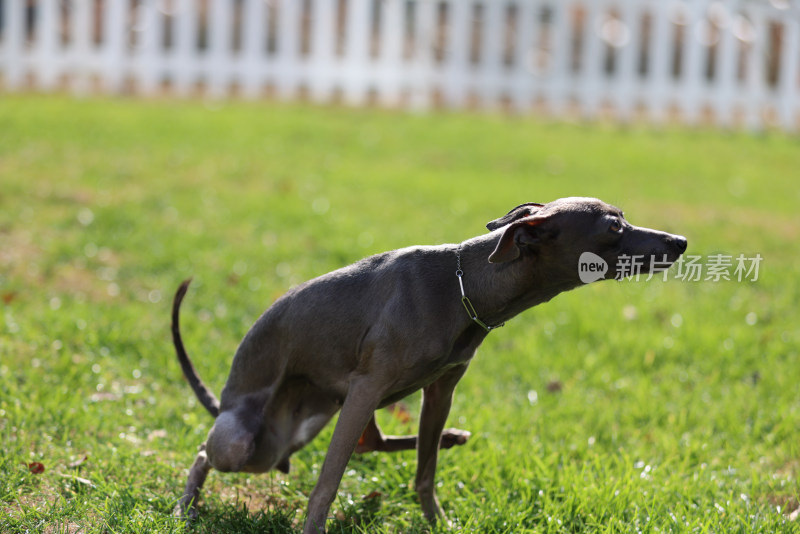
<point x="680" y="243"/>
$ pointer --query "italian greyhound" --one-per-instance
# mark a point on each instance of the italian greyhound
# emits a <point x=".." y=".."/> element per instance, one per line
<point x="366" y="335"/>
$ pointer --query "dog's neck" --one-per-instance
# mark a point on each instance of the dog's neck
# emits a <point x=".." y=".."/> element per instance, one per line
<point x="500" y="291"/>
<point x="465" y="300"/>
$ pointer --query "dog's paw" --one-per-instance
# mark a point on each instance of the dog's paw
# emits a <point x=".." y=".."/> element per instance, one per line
<point x="185" y="511"/>
<point x="453" y="436"/>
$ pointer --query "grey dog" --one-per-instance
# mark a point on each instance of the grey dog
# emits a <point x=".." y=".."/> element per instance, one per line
<point x="371" y="333"/>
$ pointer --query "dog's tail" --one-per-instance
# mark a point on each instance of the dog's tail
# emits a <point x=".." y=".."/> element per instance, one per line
<point x="204" y="395"/>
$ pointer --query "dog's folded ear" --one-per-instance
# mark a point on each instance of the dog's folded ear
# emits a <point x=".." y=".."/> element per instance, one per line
<point x="520" y="233"/>
<point x="521" y="211"/>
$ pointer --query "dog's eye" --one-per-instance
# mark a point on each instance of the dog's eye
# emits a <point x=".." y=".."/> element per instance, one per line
<point x="616" y="226"/>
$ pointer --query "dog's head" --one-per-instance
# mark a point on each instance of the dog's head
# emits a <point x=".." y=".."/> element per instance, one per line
<point x="583" y="237"/>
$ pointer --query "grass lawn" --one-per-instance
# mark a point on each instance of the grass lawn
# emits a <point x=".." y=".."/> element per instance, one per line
<point x="619" y="407"/>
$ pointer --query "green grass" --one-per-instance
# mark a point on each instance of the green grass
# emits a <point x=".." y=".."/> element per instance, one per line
<point x="619" y="407"/>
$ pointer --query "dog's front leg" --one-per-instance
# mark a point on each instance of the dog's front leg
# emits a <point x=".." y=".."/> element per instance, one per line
<point x="357" y="409"/>
<point x="436" y="400"/>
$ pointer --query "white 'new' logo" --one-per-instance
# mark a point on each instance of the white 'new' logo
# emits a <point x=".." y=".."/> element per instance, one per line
<point x="591" y="267"/>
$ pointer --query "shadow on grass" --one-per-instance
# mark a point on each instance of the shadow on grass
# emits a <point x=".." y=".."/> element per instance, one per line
<point x="351" y="518"/>
<point x="239" y="519"/>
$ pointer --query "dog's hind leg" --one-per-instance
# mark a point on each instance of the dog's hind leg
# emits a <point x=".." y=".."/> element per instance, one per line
<point x="187" y="504"/>
<point x="374" y="440"/>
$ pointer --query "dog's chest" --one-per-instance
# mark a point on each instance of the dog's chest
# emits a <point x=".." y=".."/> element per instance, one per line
<point x="426" y="370"/>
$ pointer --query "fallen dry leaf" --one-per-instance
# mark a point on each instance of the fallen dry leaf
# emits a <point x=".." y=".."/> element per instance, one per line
<point x="554" y="386"/>
<point x="37" y="468"/>
<point x="400" y="412"/>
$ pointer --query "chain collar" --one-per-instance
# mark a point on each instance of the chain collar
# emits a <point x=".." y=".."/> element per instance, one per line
<point x="465" y="299"/>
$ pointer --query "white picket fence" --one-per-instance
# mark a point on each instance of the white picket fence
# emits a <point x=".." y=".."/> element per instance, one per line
<point x="735" y="63"/>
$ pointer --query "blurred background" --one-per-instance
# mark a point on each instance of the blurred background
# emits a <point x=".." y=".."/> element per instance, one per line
<point x="726" y="62"/>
